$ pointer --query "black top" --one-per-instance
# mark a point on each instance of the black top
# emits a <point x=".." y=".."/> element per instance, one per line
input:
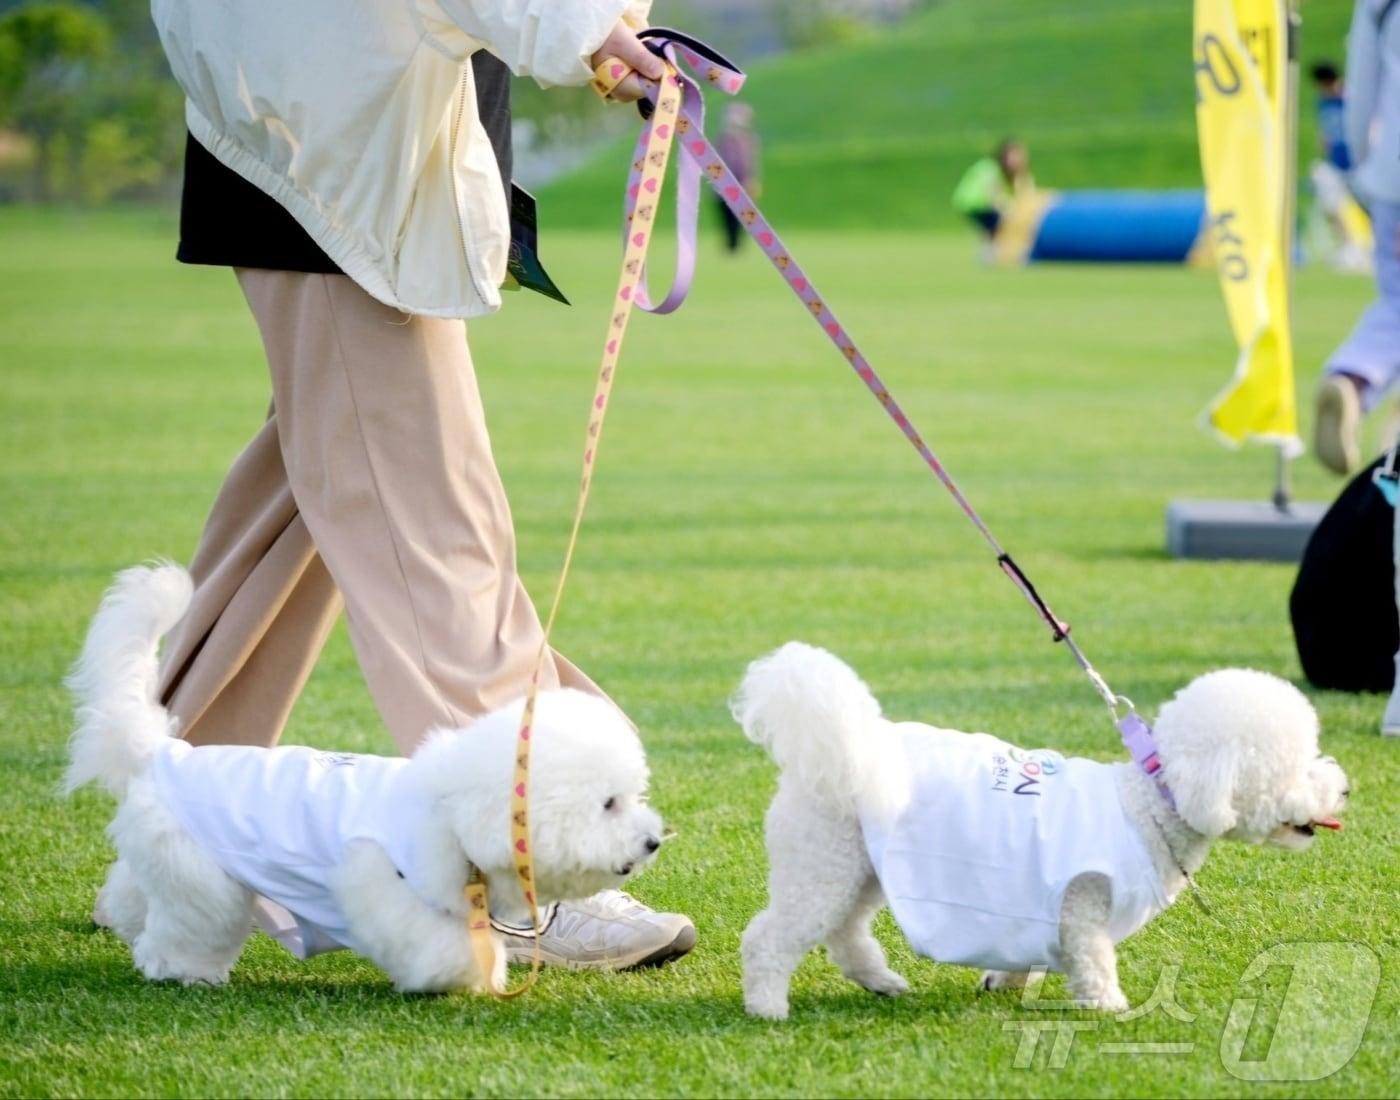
<point x="229" y="222"/>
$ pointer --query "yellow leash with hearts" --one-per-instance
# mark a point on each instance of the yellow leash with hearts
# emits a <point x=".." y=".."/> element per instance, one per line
<point x="663" y="125"/>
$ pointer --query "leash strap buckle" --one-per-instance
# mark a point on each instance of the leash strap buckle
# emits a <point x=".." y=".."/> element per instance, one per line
<point x="1138" y="739"/>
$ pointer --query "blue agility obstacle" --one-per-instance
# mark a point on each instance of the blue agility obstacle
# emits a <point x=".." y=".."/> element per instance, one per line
<point x="1162" y="227"/>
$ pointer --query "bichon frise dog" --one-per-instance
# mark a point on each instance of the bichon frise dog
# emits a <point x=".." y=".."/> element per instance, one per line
<point x="996" y="857"/>
<point x="367" y="852"/>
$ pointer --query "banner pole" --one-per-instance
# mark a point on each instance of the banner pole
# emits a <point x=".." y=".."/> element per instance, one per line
<point x="1293" y="26"/>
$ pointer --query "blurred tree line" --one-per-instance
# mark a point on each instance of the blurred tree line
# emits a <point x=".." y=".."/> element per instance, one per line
<point x="88" y="111"/>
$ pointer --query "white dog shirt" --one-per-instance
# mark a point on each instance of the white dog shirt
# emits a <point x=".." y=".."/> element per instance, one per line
<point x="976" y="864"/>
<point x="278" y="821"/>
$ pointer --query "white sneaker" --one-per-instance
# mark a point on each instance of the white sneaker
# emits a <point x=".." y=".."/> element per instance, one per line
<point x="609" y="931"/>
<point x="1337" y="424"/>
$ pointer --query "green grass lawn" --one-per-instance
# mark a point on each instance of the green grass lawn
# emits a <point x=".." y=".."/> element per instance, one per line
<point x="749" y="492"/>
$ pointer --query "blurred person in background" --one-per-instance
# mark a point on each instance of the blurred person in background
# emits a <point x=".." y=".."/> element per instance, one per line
<point x="351" y="163"/>
<point x="992" y="183"/>
<point x="1337" y="229"/>
<point x="1331" y="106"/>
<point x="738" y="145"/>
<point x="1368" y="363"/>
<point x="1360" y="371"/>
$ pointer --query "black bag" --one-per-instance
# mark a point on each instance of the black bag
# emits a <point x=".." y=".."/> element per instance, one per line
<point x="1343" y="602"/>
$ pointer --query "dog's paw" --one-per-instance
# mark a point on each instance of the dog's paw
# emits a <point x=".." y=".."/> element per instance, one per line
<point x="156" y="967"/>
<point x="887" y="984"/>
<point x="995" y="980"/>
<point x="1111" y="1001"/>
<point x="765" y="1006"/>
<point x="211" y="979"/>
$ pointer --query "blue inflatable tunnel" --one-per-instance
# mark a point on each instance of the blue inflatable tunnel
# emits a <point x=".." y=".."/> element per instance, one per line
<point x="1149" y="227"/>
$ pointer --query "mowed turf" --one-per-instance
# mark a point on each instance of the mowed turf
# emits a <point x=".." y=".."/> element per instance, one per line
<point x="749" y="492"/>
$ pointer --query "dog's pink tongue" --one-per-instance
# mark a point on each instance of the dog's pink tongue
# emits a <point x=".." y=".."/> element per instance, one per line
<point x="1328" y="823"/>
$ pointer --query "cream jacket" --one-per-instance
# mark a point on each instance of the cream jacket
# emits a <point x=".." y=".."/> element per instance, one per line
<point x="359" y="117"/>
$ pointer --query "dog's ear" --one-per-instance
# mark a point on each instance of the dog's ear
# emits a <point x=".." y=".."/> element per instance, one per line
<point x="1203" y="785"/>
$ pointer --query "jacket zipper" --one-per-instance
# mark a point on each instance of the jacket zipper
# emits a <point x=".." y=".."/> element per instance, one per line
<point x="456" y="198"/>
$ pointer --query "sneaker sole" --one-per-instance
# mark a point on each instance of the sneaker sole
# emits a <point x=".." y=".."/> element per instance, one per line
<point x="1338" y="420"/>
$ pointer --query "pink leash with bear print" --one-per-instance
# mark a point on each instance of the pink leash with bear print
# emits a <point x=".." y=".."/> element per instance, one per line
<point x="700" y="160"/>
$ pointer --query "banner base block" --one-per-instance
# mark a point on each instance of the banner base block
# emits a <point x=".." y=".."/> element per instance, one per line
<point x="1240" y="529"/>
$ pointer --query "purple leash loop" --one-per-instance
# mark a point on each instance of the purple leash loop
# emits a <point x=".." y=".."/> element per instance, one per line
<point x="697" y="65"/>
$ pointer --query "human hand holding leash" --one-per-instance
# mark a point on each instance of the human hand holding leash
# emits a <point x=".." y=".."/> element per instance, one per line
<point x="623" y="51"/>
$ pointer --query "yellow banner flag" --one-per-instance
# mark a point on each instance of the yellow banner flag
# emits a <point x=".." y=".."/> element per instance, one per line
<point x="1243" y="114"/>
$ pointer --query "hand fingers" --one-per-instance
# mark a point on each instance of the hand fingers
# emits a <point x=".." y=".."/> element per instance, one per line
<point x="629" y="89"/>
<point x="630" y="50"/>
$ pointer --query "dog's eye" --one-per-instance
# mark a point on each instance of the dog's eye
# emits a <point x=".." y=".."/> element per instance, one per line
<point x="610" y="803"/>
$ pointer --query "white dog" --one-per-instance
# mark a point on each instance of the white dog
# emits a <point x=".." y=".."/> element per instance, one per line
<point x="372" y="853"/>
<point x="992" y="856"/>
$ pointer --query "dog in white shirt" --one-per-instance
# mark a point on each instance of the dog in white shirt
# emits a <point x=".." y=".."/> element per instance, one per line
<point x="993" y="856"/>
<point x="366" y="852"/>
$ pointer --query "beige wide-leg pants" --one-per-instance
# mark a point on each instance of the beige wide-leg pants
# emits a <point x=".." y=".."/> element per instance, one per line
<point x="372" y="480"/>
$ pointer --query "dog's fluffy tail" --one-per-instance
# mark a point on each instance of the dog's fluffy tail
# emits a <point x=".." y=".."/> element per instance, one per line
<point x="120" y="723"/>
<point x="818" y="721"/>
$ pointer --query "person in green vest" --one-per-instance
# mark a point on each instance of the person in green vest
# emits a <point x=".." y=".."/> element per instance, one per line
<point x="988" y="187"/>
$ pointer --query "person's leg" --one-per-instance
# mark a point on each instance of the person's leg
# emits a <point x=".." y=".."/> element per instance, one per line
<point x="384" y="439"/>
<point x="733" y="231"/>
<point x="1368" y="363"/>
<point x="988" y="221"/>
<point x="262" y="606"/>
<point x="386" y="451"/>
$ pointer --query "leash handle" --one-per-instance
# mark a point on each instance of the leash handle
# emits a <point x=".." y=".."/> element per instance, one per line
<point x="681" y="51"/>
<point x="1011" y="569"/>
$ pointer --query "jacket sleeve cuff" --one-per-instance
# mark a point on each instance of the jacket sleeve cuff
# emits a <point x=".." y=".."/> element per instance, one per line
<point x="549" y="40"/>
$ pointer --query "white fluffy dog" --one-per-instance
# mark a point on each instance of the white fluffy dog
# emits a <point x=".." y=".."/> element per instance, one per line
<point x="372" y="853"/>
<point x="992" y="856"/>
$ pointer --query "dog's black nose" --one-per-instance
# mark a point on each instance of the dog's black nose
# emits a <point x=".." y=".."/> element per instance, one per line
<point x="653" y="844"/>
